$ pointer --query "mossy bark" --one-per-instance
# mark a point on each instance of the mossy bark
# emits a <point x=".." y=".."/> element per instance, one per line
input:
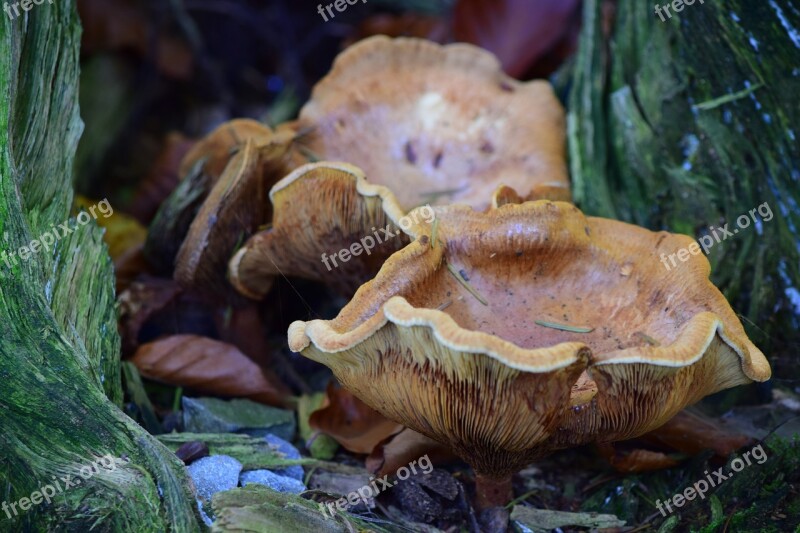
<point x="59" y="347"/>
<point x="693" y="122"/>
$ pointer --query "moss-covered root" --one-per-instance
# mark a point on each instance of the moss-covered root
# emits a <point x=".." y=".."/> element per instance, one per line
<point x="59" y="350"/>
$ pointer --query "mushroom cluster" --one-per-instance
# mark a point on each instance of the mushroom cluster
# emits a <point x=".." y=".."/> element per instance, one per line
<point x="431" y="124"/>
<point x="505" y="326"/>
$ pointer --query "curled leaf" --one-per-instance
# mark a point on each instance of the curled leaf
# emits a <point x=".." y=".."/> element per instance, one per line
<point x="351" y="422"/>
<point x="210" y="367"/>
<point x="399" y="450"/>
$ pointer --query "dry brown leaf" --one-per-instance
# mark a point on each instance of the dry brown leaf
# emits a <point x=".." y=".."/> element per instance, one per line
<point x="210" y="367"/>
<point x="162" y="178"/>
<point x="125" y="25"/>
<point x="123" y="232"/>
<point x="518" y="32"/>
<point x="636" y="460"/>
<point x="690" y="432"/>
<point x="351" y="422"/>
<point x="399" y="450"/>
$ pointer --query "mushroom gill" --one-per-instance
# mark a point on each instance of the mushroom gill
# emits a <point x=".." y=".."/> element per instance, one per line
<point x="508" y="334"/>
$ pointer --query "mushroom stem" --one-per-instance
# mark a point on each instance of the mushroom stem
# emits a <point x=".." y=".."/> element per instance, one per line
<point x="492" y="491"/>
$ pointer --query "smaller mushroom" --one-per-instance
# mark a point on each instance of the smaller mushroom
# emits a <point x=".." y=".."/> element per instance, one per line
<point x="329" y="224"/>
<point x="234" y="207"/>
<point x="200" y="171"/>
<point x="437" y="124"/>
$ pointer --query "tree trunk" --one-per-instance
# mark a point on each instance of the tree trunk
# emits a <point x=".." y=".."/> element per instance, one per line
<point x="59" y="347"/>
<point x="693" y="122"/>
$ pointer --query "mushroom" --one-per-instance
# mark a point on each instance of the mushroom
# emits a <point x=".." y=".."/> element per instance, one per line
<point x="437" y="124"/>
<point x="430" y="123"/>
<point x="233" y="210"/>
<point x="508" y="334"/>
<point x="329" y="224"/>
<point x="221" y="201"/>
<point x="217" y="148"/>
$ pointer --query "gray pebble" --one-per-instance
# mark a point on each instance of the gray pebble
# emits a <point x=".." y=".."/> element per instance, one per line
<point x="290" y="452"/>
<point x="213" y="474"/>
<point x="272" y="480"/>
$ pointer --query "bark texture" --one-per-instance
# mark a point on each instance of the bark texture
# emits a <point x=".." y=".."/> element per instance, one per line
<point x="59" y="348"/>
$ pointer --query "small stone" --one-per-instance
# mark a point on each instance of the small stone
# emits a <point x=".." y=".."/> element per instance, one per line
<point x="214" y="474"/>
<point x="272" y="480"/>
<point x="192" y="451"/>
<point x="212" y="415"/>
<point x="289" y="452"/>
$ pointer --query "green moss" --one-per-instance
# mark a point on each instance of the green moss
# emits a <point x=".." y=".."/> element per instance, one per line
<point x="253" y="452"/>
<point x="59" y="347"/>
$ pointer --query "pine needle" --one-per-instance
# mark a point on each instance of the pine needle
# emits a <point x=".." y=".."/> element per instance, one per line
<point x="434" y="231"/>
<point x="466" y="284"/>
<point x="648" y="339"/>
<point x="563" y="327"/>
<point x="445" y="305"/>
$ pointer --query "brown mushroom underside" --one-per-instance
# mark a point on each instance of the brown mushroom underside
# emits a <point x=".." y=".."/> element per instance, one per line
<point x="319" y="210"/>
<point x="236" y="206"/>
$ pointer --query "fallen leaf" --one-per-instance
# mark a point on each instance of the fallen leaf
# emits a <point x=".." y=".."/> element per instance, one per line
<point x="688" y="433"/>
<point x="162" y="178"/>
<point x="691" y="432"/>
<point x="210" y="367"/>
<point x="138" y="303"/>
<point x="400" y="449"/>
<point x="637" y="460"/>
<point x="320" y="446"/>
<point x="518" y="32"/>
<point x="353" y="424"/>
<point x="123" y="232"/>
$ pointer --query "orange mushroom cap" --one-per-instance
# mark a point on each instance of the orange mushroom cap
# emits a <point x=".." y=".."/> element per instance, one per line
<point x="437" y="123"/>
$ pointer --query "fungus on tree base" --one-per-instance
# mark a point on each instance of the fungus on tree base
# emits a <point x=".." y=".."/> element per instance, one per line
<point x="525" y="330"/>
